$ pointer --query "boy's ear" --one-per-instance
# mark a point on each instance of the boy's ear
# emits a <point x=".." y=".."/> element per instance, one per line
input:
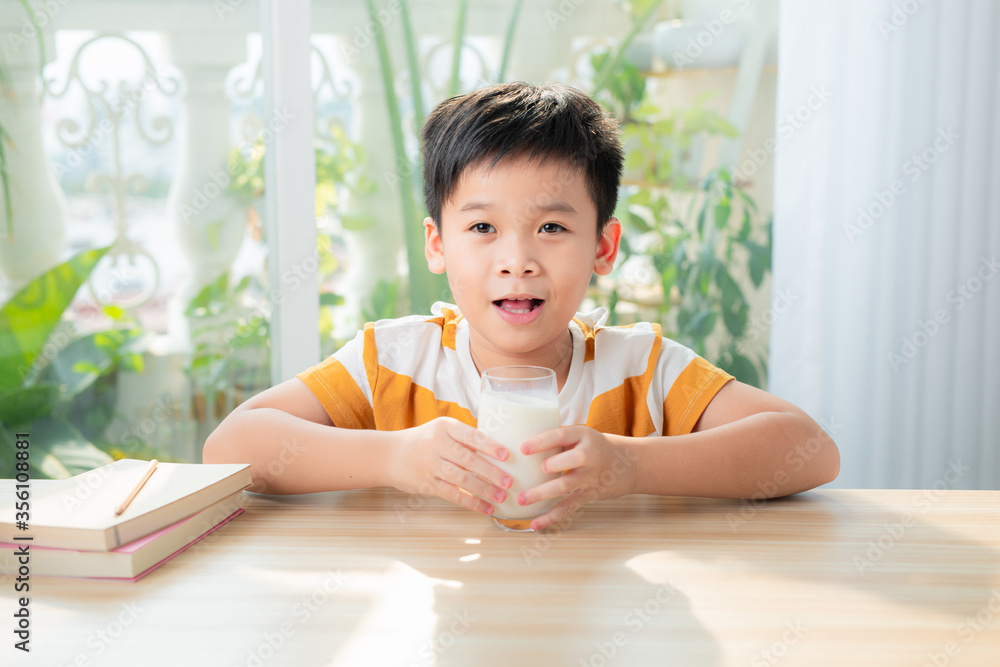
<point x="433" y="250"/>
<point x="607" y="247"/>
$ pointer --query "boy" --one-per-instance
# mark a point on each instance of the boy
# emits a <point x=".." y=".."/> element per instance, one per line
<point x="521" y="183"/>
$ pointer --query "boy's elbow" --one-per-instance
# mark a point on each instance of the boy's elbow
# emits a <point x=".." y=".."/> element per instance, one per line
<point x="831" y="464"/>
<point x="212" y="452"/>
<point x="218" y="448"/>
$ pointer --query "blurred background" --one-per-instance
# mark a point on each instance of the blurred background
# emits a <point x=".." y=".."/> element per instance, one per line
<point x="190" y="191"/>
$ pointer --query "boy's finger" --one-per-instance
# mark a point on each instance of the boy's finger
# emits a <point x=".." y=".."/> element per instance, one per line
<point x="465" y="476"/>
<point x="459" y="496"/>
<point x="546" y="440"/>
<point x="566" y="508"/>
<point x="553" y="488"/>
<point x="479" y="440"/>
<point x="565" y="461"/>
<point x="477" y="463"/>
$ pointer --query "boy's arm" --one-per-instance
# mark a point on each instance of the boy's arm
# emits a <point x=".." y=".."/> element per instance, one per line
<point x="293" y="447"/>
<point x="747" y="444"/>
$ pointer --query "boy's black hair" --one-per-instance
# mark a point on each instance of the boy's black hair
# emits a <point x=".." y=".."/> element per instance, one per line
<point x="519" y="119"/>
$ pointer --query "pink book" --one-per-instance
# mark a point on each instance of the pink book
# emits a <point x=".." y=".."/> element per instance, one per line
<point x="132" y="561"/>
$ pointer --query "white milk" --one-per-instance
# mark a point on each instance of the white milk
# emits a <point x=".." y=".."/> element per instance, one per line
<point x="511" y="419"/>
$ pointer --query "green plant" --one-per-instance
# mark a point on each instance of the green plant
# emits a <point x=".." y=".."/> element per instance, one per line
<point x="224" y="324"/>
<point x="696" y="233"/>
<point x="55" y="384"/>
<point x="338" y="177"/>
<point x="695" y="256"/>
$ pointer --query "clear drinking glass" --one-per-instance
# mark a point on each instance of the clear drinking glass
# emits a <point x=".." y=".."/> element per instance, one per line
<point x="516" y="403"/>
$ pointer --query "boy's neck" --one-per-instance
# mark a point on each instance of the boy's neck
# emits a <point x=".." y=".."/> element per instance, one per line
<point x="558" y="357"/>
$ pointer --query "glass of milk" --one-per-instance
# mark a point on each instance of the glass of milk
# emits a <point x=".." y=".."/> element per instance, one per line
<point x="516" y="403"/>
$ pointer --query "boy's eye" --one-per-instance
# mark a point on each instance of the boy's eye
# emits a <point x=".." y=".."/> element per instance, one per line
<point x="482" y="227"/>
<point x="552" y="227"/>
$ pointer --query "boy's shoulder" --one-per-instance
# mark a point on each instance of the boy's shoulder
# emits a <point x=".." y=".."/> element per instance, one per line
<point x="411" y="338"/>
<point x="594" y="325"/>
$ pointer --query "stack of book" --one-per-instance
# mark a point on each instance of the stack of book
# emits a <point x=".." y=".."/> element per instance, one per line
<point x="74" y="529"/>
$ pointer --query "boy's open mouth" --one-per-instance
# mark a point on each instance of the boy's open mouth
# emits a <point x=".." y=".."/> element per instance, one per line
<point x="518" y="306"/>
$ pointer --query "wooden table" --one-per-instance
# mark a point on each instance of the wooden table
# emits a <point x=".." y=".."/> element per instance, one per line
<point x="840" y="577"/>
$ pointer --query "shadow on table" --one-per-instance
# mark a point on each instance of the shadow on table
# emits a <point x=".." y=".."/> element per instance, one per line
<point x="511" y="599"/>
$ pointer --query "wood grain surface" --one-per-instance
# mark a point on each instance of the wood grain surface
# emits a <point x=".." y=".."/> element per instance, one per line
<point x="375" y="577"/>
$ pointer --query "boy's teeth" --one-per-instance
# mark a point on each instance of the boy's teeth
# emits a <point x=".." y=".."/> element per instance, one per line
<point x="518" y="306"/>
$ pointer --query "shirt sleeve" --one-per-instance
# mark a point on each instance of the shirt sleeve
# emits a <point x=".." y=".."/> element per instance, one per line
<point x="342" y="382"/>
<point x="691" y="384"/>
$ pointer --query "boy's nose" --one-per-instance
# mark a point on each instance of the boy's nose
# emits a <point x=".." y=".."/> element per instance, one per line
<point x="516" y="263"/>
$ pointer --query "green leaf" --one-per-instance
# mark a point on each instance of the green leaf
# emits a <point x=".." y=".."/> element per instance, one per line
<point x="735" y="320"/>
<point x="743" y="370"/>
<point x="702" y="214"/>
<point x="760" y="262"/>
<point x="28" y="319"/>
<point x="330" y="299"/>
<point x="356" y="223"/>
<point x="24" y="405"/>
<point x="637" y="221"/>
<point x="84" y="367"/>
<point x="702" y="324"/>
<point x="8" y="451"/>
<point x="210" y="295"/>
<point x="721" y="212"/>
<point x="72" y="453"/>
<point x="84" y="360"/>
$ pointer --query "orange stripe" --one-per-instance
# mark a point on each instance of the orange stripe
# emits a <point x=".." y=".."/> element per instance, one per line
<point x="339" y="394"/>
<point x="588" y="339"/>
<point x="623" y="410"/>
<point x="690" y="394"/>
<point x="400" y="403"/>
<point x="370" y="356"/>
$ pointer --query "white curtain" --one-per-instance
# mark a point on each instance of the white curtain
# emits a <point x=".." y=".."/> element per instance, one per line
<point x="887" y="236"/>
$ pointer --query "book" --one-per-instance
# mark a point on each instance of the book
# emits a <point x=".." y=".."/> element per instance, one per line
<point x="79" y="512"/>
<point x="132" y="561"/>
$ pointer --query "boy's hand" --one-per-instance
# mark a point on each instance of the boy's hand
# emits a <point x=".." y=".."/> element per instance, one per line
<point x="439" y="459"/>
<point x="593" y="468"/>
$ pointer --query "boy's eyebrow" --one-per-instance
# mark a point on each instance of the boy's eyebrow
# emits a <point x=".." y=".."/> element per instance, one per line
<point x="486" y="205"/>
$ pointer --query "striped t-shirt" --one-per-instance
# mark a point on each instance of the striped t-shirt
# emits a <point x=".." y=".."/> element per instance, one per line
<point x="404" y="372"/>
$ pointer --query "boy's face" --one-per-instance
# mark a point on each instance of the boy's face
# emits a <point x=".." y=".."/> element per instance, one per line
<point x="519" y="243"/>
